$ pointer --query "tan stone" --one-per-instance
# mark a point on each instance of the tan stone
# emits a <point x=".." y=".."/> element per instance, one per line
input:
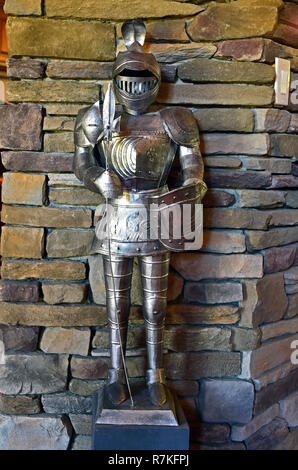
<point x="21" y="242"/>
<point x="75" y="196"/>
<point x="245" y="339"/>
<point x="41" y="314"/>
<point x="66" y="341"/>
<point x="204" y="266"/>
<point x="172" y="30"/>
<point x="118" y="9"/>
<point x="220" y="120"/>
<point x="250" y="144"/>
<point x="59" y="38"/>
<point x="233" y="21"/>
<point x="222" y="162"/>
<point x="46" y="217"/>
<point x="21" y="188"/>
<point x="45" y="91"/>
<point x="223" y="241"/>
<point x="236" y="218"/>
<point x="272" y="120"/>
<point x="281" y="217"/>
<point x="20" y="404"/>
<point x="64" y="179"/>
<point x="58" y="123"/>
<point x="258" y="240"/>
<point x="215" y="94"/>
<point x="68" y="243"/>
<point x="59" y="142"/>
<point x="63" y="293"/>
<point x="23" y="7"/>
<point x="261" y="199"/>
<point x="56" y="270"/>
<point x="61" y="109"/>
<point x="274" y="165"/>
<point x="201" y="314"/>
<point x="184" y="338"/>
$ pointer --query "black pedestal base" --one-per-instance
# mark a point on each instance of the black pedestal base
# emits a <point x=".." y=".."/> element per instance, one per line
<point x="141" y="436"/>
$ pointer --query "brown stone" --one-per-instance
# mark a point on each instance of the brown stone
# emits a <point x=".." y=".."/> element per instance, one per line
<point x="118" y="9"/>
<point x="218" y="199"/>
<point x="292" y="199"/>
<point x="241" y="49"/>
<point x="284" y="145"/>
<point x="173" y="30"/>
<point x="19" y="338"/>
<point x="261" y="199"/>
<point x="273" y="375"/>
<point x="268" y="436"/>
<point x="291" y="275"/>
<point x="215" y="94"/>
<point x="89" y="368"/>
<point x="211" y="293"/>
<point x="46" y="216"/>
<point x="68" y="243"/>
<point x="226" y="400"/>
<point x="23" y="7"/>
<point x="20" y="126"/>
<point x="64" y="293"/>
<point x="236" y="218"/>
<point x="264" y="300"/>
<point x="75" y="196"/>
<point x="170" y="53"/>
<point x="245" y="339"/>
<point x="220" y="119"/>
<point x="199" y="314"/>
<point x="289" y="409"/>
<point x="206" y="70"/>
<point x="223" y="241"/>
<point x="57" y="91"/>
<point x="66" y="341"/>
<point x="293" y="306"/>
<point x="59" y="142"/>
<point x="279" y="328"/>
<point x="51" y="315"/>
<point x="273" y="165"/>
<point x="202" y="364"/>
<point x="206" y="432"/>
<point x="21" y="242"/>
<point x="36" y="37"/>
<point x="284" y="181"/>
<point x="175" y="286"/>
<point x="25" y="68"/>
<point x="79" y="69"/>
<point x="219" y="447"/>
<point x="276" y="391"/>
<point x="290" y="441"/>
<point x="37" y="161"/>
<point x="184" y="387"/>
<point x="204" y="266"/>
<point x="20" y="405"/>
<point x="250" y="144"/>
<point x="183" y="338"/>
<point x="272" y="120"/>
<point x="293" y="127"/>
<point x="237" y="179"/>
<point x="271" y="354"/>
<point x="19" y="292"/>
<point x="222" y="162"/>
<point x="286" y="31"/>
<point x="56" y="270"/>
<point x="233" y="21"/>
<point x="279" y="258"/>
<point x="274" y="49"/>
<point x="281" y="217"/>
<point x="240" y="433"/>
<point x="59" y="123"/>
<point x="258" y="240"/>
<point x="21" y="188"/>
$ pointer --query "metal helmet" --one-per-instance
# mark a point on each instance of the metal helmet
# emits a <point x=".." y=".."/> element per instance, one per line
<point x="136" y="74"/>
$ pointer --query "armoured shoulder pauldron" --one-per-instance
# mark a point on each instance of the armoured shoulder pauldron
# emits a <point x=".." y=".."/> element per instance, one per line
<point x="181" y="126"/>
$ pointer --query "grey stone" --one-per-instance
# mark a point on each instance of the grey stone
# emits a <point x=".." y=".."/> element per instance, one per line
<point x="20" y="126"/>
<point x="82" y="443"/>
<point x="69" y="243"/>
<point x="226" y="400"/>
<point x="11" y="291"/>
<point x="82" y="424"/>
<point x="211" y="293"/>
<point x="85" y="387"/>
<point x="258" y="240"/>
<point x="66" y="403"/>
<point x="33" y="374"/>
<point x="261" y="199"/>
<point x="245" y="339"/>
<point x="289" y="409"/>
<point x="28" y="68"/>
<point x="34" y="433"/>
<point x="274" y="165"/>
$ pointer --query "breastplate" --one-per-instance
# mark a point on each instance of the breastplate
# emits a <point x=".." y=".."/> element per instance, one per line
<point x="141" y="154"/>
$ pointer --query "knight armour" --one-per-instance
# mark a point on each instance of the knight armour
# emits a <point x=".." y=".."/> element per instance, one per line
<point x="130" y="169"/>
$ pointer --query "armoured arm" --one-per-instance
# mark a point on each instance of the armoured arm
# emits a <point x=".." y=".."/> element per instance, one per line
<point x="89" y="131"/>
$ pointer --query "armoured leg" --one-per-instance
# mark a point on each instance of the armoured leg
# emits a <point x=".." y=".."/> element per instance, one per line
<point x="154" y="274"/>
<point x="118" y="305"/>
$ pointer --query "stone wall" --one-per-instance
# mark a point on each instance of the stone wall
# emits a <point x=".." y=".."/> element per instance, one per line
<point x="232" y="313"/>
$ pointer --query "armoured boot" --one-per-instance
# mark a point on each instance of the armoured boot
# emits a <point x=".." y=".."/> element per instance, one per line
<point x="154" y="274"/>
<point x="118" y="282"/>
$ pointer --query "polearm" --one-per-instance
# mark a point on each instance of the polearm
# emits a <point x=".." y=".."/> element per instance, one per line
<point x="110" y="124"/>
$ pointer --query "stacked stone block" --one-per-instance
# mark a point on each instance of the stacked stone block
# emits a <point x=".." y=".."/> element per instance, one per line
<point x="232" y="312"/>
